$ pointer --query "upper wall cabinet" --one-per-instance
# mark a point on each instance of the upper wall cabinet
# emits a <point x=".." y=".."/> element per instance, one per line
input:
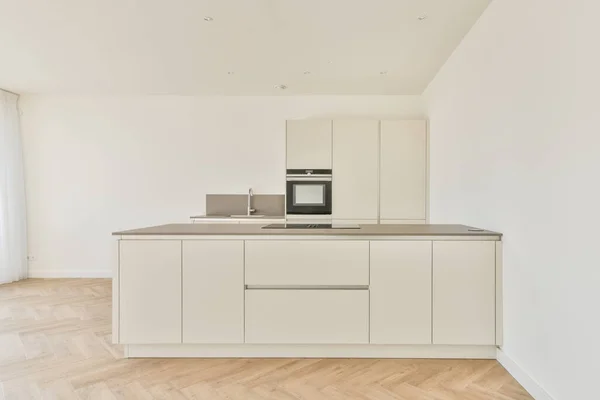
<point x="355" y="169"/>
<point x="308" y="144"/>
<point x="403" y="175"/>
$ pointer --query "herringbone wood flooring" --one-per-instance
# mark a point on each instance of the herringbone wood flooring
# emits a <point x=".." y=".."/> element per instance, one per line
<point x="55" y="343"/>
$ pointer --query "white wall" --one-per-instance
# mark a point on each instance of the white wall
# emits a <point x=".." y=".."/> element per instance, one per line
<point x="95" y="165"/>
<point x="515" y="139"/>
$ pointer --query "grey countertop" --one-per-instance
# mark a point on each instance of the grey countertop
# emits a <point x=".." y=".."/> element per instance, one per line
<point x="236" y="217"/>
<point x="255" y="229"/>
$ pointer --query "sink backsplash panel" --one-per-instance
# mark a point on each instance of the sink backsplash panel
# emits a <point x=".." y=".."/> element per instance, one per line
<point x="236" y="204"/>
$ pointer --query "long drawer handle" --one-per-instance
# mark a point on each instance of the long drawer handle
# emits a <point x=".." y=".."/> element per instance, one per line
<point x="307" y="287"/>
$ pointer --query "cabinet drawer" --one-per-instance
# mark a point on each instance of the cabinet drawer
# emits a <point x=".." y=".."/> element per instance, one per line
<point x="299" y="262"/>
<point x="307" y="316"/>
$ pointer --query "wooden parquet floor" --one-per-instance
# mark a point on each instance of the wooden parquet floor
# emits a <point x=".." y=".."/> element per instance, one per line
<point x="55" y="343"/>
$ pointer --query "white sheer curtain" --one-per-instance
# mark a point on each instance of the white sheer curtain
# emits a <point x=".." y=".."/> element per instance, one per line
<point x="13" y="227"/>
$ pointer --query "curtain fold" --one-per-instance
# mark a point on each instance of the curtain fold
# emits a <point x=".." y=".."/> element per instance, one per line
<point x="13" y="223"/>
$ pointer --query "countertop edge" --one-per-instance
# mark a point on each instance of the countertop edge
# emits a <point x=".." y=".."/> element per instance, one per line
<point x="255" y="230"/>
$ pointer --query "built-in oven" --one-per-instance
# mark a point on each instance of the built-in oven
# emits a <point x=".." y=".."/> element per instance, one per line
<point x="308" y="191"/>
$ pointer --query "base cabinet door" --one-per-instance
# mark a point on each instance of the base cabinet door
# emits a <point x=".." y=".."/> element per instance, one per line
<point x="150" y="291"/>
<point x="401" y="292"/>
<point x="307" y="316"/>
<point x="464" y="292"/>
<point x="213" y="291"/>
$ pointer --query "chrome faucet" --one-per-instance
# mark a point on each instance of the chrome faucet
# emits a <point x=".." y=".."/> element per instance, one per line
<point x="250" y="209"/>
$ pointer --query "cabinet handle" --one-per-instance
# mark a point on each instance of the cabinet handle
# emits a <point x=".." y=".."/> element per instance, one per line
<point x="307" y="287"/>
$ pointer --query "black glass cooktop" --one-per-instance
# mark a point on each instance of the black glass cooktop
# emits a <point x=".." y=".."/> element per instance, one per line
<point x="310" y="226"/>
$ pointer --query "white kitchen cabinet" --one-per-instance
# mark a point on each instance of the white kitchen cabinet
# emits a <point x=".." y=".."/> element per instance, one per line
<point x="308" y="144"/>
<point x="307" y="316"/>
<point x="401" y="292"/>
<point x="150" y="291"/>
<point x="355" y="189"/>
<point x="464" y="292"/>
<point x="213" y="291"/>
<point x="307" y="262"/>
<point x="403" y="170"/>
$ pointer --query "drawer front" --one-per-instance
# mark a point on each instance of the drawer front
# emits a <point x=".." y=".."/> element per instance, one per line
<point x="307" y="316"/>
<point x="326" y="262"/>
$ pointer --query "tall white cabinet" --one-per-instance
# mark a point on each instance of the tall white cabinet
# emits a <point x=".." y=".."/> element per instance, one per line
<point x="356" y="170"/>
<point x="379" y="167"/>
<point x="403" y="177"/>
<point x="308" y="144"/>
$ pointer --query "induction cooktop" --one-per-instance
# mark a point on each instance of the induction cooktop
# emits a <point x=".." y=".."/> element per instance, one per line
<point x="310" y="226"/>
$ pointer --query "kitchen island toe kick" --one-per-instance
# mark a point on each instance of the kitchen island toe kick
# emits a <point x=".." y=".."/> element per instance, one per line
<point x="384" y="291"/>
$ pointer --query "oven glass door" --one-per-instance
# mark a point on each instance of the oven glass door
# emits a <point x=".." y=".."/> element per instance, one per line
<point x="309" y="197"/>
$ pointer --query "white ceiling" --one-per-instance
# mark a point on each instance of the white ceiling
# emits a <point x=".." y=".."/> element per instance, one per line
<point x="166" y="47"/>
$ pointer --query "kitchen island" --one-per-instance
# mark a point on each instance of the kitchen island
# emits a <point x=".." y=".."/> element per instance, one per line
<point x="204" y="290"/>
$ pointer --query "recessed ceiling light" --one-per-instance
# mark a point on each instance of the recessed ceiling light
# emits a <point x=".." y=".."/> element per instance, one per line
<point x="306" y="72"/>
<point x="280" y="87"/>
<point x="208" y="19"/>
<point x="422" y="17"/>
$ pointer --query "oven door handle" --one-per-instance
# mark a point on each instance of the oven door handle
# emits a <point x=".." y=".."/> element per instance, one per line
<point x="307" y="179"/>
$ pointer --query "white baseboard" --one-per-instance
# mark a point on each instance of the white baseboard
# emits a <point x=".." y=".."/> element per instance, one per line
<point x="69" y="273"/>
<point x="307" y="351"/>
<point x="530" y="384"/>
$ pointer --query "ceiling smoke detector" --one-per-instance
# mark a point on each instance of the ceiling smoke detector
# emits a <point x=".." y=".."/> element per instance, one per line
<point x="280" y="87"/>
<point x="422" y="17"/>
<point x="208" y="19"/>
